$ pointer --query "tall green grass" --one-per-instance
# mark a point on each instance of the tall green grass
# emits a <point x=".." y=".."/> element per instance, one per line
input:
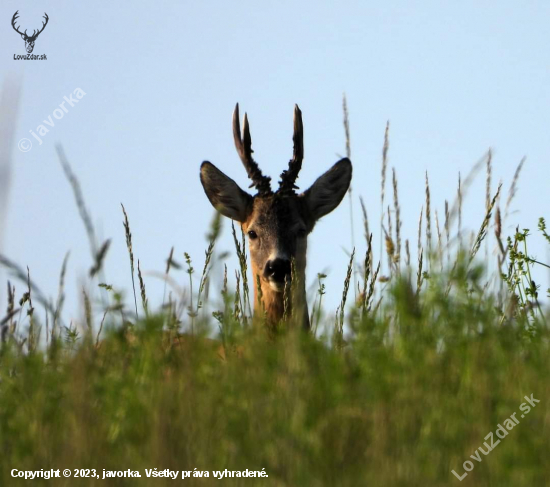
<point x="422" y="360"/>
<point x="409" y="395"/>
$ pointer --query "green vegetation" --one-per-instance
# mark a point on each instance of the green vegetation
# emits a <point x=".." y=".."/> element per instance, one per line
<point x="411" y="395"/>
<point x="403" y="385"/>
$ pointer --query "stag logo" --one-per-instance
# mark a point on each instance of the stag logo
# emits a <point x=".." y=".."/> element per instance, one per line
<point x="29" y="40"/>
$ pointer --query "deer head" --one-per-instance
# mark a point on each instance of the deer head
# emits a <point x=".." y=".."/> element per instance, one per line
<point x="277" y="223"/>
<point x="29" y="40"/>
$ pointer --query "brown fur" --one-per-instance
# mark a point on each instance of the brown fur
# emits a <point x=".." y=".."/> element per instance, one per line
<point x="277" y="223"/>
<point x="282" y="224"/>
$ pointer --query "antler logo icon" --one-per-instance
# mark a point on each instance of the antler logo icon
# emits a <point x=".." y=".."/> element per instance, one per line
<point x="29" y="40"/>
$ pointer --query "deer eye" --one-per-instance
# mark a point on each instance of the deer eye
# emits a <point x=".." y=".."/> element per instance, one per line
<point x="252" y="235"/>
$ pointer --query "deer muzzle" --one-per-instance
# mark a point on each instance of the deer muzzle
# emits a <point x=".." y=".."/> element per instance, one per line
<point x="276" y="272"/>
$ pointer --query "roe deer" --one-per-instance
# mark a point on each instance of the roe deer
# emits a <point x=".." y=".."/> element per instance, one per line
<point x="277" y="223"/>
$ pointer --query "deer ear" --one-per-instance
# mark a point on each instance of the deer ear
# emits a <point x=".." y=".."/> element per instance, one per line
<point x="327" y="192"/>
<point x="224" y="193"/>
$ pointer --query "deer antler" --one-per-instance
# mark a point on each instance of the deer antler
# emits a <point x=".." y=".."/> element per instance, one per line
<point x="288" y="176"/>
<point x="34" y="36"/>
<point x="244" y="148"/>
<point x="13" y="19"/>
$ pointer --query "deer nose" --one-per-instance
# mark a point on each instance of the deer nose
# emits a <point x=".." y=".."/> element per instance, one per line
<point x="277" y="269"/>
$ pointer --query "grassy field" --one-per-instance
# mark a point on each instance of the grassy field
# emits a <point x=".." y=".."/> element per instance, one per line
<point x="411" y="394"/>
<point x="416" y="376"/>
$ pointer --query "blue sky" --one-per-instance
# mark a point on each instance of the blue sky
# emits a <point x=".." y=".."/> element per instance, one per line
<point x="161" y="80"/>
